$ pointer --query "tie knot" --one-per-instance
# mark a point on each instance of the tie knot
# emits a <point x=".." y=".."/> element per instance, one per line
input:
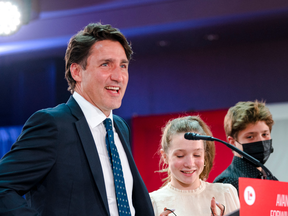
<point x="108" y="124"/>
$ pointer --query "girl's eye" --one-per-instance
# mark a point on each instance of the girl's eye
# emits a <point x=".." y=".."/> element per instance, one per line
<point x="179" y="156"/>
<point x="197" y="155"/>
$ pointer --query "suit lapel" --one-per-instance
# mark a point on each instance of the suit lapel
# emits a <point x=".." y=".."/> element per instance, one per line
<point x="90" y="149"/>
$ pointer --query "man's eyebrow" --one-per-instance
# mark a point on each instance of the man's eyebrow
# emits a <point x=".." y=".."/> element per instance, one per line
<point x="113" y="60"/>
<point x="106" y="60"/>
<point x="125" y="61"/>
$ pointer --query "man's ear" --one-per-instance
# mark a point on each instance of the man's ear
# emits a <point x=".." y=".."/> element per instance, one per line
<point x="231" y="141"/>
<point x="164" y="156"/>
<point x="76" y="72"/>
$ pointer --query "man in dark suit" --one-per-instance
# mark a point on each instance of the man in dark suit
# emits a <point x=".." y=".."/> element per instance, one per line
<point x="60" y="160"/>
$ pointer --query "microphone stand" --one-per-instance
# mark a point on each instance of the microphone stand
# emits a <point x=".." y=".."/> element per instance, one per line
<point x="195" y="136"/>
<point x="247" y="156"/>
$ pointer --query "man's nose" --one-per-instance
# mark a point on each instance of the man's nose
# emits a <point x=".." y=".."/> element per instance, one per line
<point x="117" y="74"/>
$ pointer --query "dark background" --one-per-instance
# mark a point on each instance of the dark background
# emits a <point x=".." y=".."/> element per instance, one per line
<point x="189" y="55"/>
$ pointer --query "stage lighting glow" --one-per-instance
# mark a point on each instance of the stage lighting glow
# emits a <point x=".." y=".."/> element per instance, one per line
<point x="10" y="18"/>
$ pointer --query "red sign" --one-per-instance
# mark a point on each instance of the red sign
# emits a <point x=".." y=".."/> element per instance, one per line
<point x="263" y="197"/>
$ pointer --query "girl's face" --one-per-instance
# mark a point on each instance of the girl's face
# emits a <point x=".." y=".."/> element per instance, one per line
<point x="186" y="161"/>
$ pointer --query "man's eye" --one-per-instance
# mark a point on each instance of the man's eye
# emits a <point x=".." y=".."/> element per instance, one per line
<point x="123" y="66"/>
<point x="105" y="64"/>
<point x="249" y="137"/>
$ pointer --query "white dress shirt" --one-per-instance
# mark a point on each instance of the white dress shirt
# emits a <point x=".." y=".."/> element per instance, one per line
<point x="95" y="118"/>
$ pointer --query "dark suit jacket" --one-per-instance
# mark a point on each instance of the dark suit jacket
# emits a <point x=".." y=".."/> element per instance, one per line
<point x="56" y="164"/>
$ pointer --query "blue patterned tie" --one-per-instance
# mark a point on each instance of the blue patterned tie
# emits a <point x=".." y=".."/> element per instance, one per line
<point x="120" y="190"/>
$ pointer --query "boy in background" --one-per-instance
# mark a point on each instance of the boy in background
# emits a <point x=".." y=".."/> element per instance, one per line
<point x="248" y="127"/>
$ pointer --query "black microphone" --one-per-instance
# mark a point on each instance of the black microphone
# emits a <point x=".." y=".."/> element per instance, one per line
<point x="195" y="136"/>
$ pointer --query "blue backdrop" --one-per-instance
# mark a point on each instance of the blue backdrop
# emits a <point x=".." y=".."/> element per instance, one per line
<point x="8" y="136"/>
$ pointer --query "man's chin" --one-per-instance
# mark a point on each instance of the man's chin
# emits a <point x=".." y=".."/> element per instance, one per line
<point x="115" y="106"/>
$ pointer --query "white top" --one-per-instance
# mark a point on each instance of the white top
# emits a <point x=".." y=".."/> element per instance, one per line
<point x="195" y="202"/>
<point x="95" y="118"/>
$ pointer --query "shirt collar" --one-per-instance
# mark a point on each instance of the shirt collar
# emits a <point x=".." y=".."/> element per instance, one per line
<point x="93" y="114"/>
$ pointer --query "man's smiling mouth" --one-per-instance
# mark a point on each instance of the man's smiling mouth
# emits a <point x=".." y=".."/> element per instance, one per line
<point x="113" y="88"/>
